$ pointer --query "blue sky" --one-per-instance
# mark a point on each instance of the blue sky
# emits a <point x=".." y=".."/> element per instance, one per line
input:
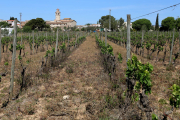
<point x="87" y="11"/>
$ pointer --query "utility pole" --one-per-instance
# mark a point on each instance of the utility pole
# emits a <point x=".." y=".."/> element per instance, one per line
<point x="110" y="19"/>
<point x="20" y="27"/>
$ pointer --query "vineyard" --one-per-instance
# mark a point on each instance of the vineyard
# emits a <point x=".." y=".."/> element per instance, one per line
<point x="84" y="75"/>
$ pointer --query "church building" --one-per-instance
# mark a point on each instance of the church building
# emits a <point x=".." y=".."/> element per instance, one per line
<point x="66" y="22"/>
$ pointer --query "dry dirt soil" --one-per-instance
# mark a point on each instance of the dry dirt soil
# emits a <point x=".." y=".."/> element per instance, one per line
<point x="78" y="88"/>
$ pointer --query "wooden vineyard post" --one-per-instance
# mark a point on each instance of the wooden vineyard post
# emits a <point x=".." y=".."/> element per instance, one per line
<point x="33" y="42"/>
<point x="142" y="42"/>
<point x="0" y="44"/>
<point x="157" y="37"/>
<point x="46" y="41"/>
<point x="36" y="43"/>
<point x="121" y="38"/>
<point x="124" y="38"/>
<point x="128" y="38"/>
<point x="106" y="37"/>
<point x="29" y="36"/>
<point x="63" y="37"/>
<point x="13" y="59"/>
<point x="171" y="47"/>
<point x="179" y="40"/>
<point x="56" y="44"/>
<point x="53" y="34"/>
<point x="110" y="20"/>
<point x="102" y="36"/>
<point x="21" y="36"/>
<point x="68" y="40"/>
<point x="76" y="40"/>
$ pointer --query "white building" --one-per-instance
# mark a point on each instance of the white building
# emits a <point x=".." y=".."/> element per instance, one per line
<point x="95" y="25"/>
<point x="11" y="23"/>
<point x="80" y="26"/>
<point x="125" y="25"/>
<point x="84" y="26"/>
<point x="9" y="29"/>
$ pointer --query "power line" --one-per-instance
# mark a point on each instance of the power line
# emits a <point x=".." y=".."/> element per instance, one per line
<point x="157" y="11"/>
<point x="110" y="19"/>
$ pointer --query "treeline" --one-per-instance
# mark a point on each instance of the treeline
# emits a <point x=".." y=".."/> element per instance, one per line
<point x="167" y="24"/>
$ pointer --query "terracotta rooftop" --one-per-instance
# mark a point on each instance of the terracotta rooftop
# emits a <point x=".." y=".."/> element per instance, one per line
<point x="55" y="22"/>
<point x="67" y="19"/>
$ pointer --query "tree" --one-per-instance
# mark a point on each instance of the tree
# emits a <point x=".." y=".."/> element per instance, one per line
<point x="144" y="28"/>
<point x="31" y="23"/>
<point x="4" y="24"/>
<point x="77" y="29"/>
<point x="121" y="21"/>
<point x="47" y="26"/>
<point x="5" y="32"/>
<point x="73" y="28"/>
<point x="152" y="27"/>
<point x="88" y="24"/>
<point x="11" y="18"/>
<point x="90" y="28"/>
<point x="26" y="29"/>
<point x="139" y="23"/>
<point x="178" y="24"/>
<point x="104" y="21"/>
<point x="40" y="23"/>
<point x="168" y="24"/>
<point x="82" y="29"/>
<point x="36" y="23"/>
<point x="157" y="23"/>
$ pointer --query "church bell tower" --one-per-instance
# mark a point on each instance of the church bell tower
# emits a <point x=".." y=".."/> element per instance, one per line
<point x="57" y="14"/>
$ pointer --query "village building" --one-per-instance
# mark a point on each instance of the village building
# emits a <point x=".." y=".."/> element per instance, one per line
<point x="80" y="26"/>
<point x="23" y="23"/>
<point x="95" y="25"/>
<point x="11" y="23"/>
<point x="84" y="26"/>
<point x="66" y="22"/>
<point x="125" y="25"/>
